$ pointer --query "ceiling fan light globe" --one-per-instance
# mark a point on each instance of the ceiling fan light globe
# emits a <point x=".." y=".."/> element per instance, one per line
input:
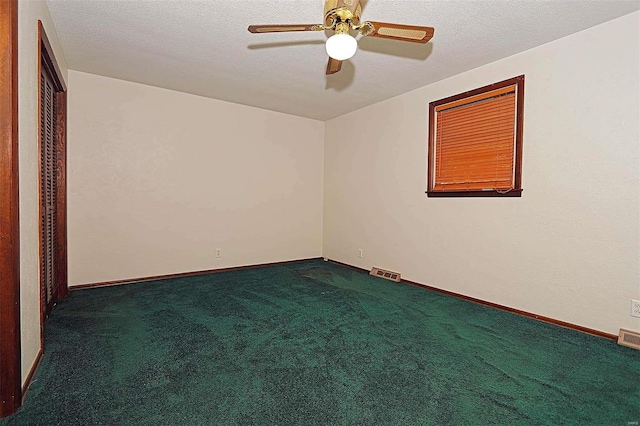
<point x="341" y="46"/>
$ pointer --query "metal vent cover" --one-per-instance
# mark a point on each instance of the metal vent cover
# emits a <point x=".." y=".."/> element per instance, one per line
<point x="629" y="338"/>
<point x="387" y="275"/>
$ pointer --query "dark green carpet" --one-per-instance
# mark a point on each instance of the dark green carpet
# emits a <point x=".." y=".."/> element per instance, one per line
<point x="316" y="343"/>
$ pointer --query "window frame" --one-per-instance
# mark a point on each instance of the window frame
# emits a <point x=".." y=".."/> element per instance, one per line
<point x="518" y="82"/>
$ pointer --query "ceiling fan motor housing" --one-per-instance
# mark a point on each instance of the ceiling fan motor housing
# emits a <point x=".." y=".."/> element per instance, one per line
<point x="336" y="11"/>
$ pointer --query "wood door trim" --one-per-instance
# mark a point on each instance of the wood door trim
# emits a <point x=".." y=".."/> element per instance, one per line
<point x="10" y="350"/>
<point x="47" y="61"/>
<point x="61" y="194"/>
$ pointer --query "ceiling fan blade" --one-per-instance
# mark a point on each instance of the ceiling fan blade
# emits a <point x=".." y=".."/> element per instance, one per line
<point x="333" y="66"/>
<point x="283" y="28"/>
<point x="412" y="33"/>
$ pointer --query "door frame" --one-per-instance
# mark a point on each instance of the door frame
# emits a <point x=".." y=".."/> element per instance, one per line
<point x="47" y="61"/>
<point x="10" y="349"/>
<point x="11" y="391"/>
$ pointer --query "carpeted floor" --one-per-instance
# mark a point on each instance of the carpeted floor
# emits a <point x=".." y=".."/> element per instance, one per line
<point x="316" y="343"/>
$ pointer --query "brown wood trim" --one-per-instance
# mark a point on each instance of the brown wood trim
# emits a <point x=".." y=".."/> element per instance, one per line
<point x="185" y="274"/>
<point x="497" y="306"/>
<point x="61" y="208"/>
<point x="32" y="373"/>
<point x="504" y="83"/>
<point x="519" y="130"/>
<point x="50" y="61"/>
<point x="40" y="209"/>
<point x="493" y="193"/>
<point x="430" y="149"/>
<point x="10" y="349"/>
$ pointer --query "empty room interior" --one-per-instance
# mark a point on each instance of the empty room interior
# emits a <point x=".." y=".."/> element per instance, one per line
<point x="280" y="212"/>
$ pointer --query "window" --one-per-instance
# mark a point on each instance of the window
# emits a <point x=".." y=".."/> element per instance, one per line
<point x="475" y="142"/>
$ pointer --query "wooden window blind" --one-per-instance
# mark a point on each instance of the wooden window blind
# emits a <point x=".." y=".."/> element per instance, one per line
<point x="475" y="141"/>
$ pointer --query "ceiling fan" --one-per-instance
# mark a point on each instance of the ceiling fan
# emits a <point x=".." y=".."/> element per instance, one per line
<point x="343" y="16"/>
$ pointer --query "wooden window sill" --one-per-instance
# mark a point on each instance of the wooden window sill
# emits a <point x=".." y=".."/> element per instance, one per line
<point x="511" y="193"/>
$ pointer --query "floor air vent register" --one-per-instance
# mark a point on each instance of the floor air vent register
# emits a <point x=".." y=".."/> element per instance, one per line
<point x="629" y="338"/>
<point x="387" y="275"/>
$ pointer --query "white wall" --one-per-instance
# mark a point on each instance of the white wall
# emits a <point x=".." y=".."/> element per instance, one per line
<point x="569" y="248"/>
<point x="157" y="180"/>
<point x="29" y="12"/>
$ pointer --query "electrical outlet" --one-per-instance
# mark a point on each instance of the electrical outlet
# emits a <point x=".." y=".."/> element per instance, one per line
<point x="360" y="253"/>
<point x="635" y="308"/>
<point x="218" y="252"/>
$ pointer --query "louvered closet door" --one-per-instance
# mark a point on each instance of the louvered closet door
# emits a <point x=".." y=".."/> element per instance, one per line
<point x="48" y="179"/>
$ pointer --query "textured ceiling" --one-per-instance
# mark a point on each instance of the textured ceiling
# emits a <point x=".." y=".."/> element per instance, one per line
<point x="204" y="48"/>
